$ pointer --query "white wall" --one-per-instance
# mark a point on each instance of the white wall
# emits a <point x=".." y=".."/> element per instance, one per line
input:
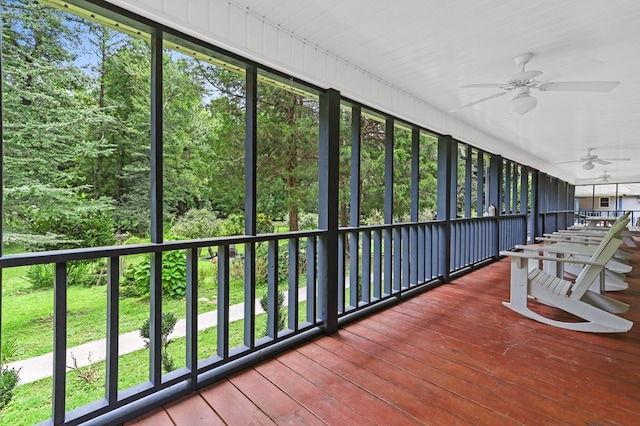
<point x="623" y="203"/>
<point x="232" y="27"/>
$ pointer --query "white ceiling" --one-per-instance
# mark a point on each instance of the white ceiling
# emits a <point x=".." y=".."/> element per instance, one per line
<point x="432" y="47"/>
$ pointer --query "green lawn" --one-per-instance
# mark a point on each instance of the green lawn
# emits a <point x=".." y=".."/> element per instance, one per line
<point x="27" y="315"/>
<point x="27" y="322"/>
<point x="32" y="402"/>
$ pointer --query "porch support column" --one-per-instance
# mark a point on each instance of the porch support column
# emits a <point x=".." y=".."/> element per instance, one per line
<point x="328" y="170"/>
<point x="417" y="237"/>
<point x="536" y="204"/>
<point x="155" y="297"/>
<point x="388" y="206"/>
<point x="495" y="197"/>
<point x="524" y="194"/>
<point x="250" y="202"/>
<point x="571" y="196"/>
<point x="480" y="208"/>
<point x="468" y="172"/>
<point x="356" y="292"/>
<point x="447" y="183"/>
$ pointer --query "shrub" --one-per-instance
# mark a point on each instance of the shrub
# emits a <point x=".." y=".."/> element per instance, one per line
<point x="232" y="225"/>
<point x="137" y="277"/>
<point x="8" y="350"/>
<point x="306" y="221"/>
<point x="264" y="224"/>
<point x="236" y="266"/>
<point x="196" y="223"/>
<point x="84" y="274"/>
<point x="8" y="380"/>
<point x="169" y="321"/>
<point x="281" y="310"/>
<point x="70" y="214"/>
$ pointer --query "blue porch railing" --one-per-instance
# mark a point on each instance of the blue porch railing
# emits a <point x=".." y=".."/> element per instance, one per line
<point x="374" y="263"/>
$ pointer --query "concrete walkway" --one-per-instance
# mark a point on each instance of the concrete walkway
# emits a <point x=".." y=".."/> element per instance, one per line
<point x="40" y="367"/>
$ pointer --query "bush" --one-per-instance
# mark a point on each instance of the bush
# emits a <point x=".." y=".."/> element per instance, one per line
<point x="232" y="225"/>
<point x="281" y="310"/>
<point x="70" y="215"/>
<point x="236" y="267"/>
<point x="137" y="277"/>
<point x="169" y="321"/>
<point x="9" y="378"/>
<point x="196" y="223"/>
<point x="306" y="221"/>
<point x="84" y="274"/>
<point x="9" y="349"/>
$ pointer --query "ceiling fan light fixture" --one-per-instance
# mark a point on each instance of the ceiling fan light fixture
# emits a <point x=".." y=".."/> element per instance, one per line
<point x="588" y="165"/>
<point x="522" y="103"/>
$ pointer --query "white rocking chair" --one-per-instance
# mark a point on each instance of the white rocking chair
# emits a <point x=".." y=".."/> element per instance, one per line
<point x="575" y="298"/>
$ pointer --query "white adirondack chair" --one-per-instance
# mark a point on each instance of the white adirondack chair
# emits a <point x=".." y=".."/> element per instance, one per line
<point x="596" y="309"/>
<point x="615" y="268"/>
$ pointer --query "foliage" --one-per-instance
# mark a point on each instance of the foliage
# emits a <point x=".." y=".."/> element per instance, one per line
<point x="69" y="218"/>
<point x="281" y="311"/>
<point x="262" y="262"/>
<point x="8" y="349"/>
<point x="196" y="223"/>
<point x="168" y="323"/>
<point x="9" y="378"/>
<point x="263" y="224"/>
<point x="306" y="221"/>
<point x="85" y="274"/>
<point x="136" y="279"/>
<point x="89" y="374"/>
<point x="204" y="223"/>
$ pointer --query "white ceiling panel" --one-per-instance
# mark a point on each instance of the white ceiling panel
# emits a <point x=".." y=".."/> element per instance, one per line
<point x="430" y="48"/>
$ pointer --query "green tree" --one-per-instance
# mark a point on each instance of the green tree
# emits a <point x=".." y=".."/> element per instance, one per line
<point x="46" y="114"/>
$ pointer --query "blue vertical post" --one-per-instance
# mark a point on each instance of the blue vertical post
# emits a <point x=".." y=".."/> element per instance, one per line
<point x="446" y="200"/>
<point x="59" y="342"/>
<point x="155" y="297"/>
<point x="468" y="173"/>
<point x="328" y="168"/>
<point x="416" y="245"/>
<point x="495" y="197"/>
<point x="356" y="282"/>
<point x="535" y="207"/>
<point x="388" y="206"/>
<point x="524" y="196"/>
<point x="250" y="215"/>
<point x="481" y="187"/>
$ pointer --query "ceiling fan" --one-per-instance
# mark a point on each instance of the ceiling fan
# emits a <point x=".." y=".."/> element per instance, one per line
<point x="604" y="177"/>
<point x="523" y="82"/>
<point x="590" y="160"/>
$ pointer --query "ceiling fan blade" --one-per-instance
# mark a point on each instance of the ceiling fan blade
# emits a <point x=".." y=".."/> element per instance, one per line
<point x="489" y="85"/>
<point x="616" y="159"/>
<point x="478" y="101"/>
<point x="601" y="161"/>
<point x="570" y="161"/>
<point x="579" y="86"/>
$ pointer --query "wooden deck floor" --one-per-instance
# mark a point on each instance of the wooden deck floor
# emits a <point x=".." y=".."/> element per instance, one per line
<point x="453" y="355"/>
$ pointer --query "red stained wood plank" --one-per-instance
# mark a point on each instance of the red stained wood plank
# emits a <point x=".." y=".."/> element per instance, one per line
<point x="312" y="397"/>
<point x="570" y="392"/>
<point x="233" y="406"/>
<point x="193" y="411"/>
<point x="364" y="403"/>
<point x="418" y="406"/>
<point x="454" y="377"/>
<point x="279" y="406"/>
<point x="415" y="384"/>
<point x="158" y="417"/>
